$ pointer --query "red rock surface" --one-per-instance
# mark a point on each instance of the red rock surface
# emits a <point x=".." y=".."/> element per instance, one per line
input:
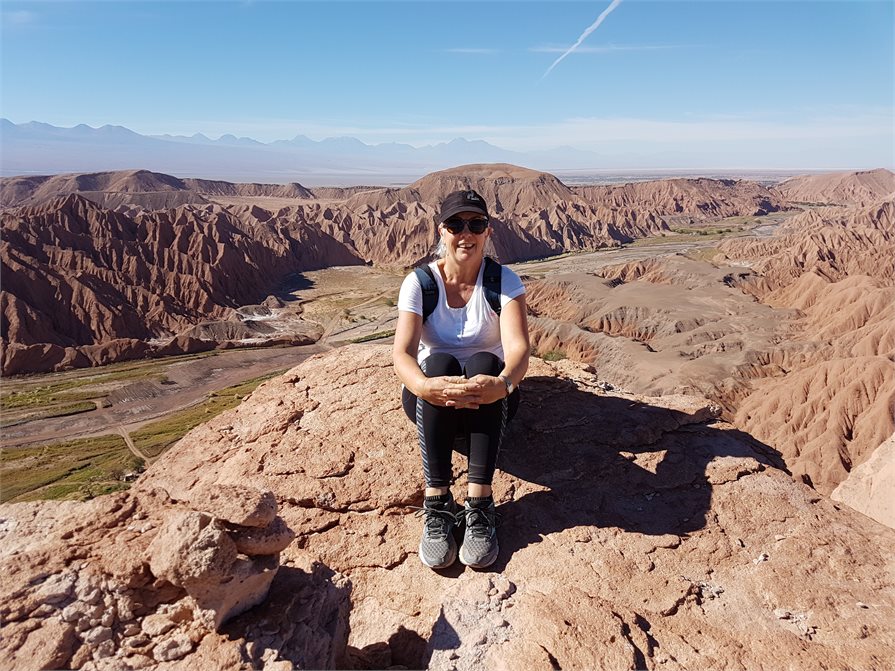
<point x="106" y="188"/>
<point x="835" y="407"/>
<point x="636" y="533"/>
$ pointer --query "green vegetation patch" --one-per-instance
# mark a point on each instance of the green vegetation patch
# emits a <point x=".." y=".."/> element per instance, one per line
<point x="704" y="231"/>
<point x="155" y="438"/>
<point x="79" y="469"/>
<point x="553" y="355"/>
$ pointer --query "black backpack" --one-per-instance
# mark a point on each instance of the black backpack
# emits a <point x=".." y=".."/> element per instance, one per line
<point x="490" y="283"/>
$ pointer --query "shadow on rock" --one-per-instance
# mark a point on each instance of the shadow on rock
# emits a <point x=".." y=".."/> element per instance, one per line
<point x="304" y="621"/>
<point x="405" y="649"/>
<point x="614" y="462"/>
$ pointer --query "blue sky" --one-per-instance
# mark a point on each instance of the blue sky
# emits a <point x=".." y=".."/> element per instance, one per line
<point x="738" y="79"/>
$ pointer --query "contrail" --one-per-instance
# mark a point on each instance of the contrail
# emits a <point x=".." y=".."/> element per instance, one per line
<point x="591" y="28"/>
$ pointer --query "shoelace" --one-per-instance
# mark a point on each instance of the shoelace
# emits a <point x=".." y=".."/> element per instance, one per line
<point x="479" y="520"/>
<point x="435" y="518"/>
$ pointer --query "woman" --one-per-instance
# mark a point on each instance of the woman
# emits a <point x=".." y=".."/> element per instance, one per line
<point x="460" y="367"/>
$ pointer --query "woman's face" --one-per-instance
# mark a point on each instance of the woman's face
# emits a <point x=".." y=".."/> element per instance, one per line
<point x="465" y="246"/>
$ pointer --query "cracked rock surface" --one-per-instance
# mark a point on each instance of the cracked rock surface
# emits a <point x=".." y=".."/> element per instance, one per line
<point x="636" y="533"/>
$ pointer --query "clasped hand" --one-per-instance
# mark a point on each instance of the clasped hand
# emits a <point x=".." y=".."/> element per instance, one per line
<point x="460" y="392"/>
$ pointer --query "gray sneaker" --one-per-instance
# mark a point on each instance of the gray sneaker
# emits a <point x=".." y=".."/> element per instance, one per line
<point x="438" y="549"/>
<point x="480" y="546"/>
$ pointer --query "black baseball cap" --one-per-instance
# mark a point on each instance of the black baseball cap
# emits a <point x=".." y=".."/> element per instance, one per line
<point x="462" y="201"/>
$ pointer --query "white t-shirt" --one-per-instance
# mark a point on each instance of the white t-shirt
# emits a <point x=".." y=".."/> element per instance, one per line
<point x="459" y="331"/>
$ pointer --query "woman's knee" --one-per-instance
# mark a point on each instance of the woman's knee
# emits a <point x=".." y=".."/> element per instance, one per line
<point x="483" y="363"/>
<point x="438" y="364"/>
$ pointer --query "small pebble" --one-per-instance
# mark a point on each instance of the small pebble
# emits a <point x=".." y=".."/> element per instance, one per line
<point x="861" y="604"/>
<point x="762" y="557"/>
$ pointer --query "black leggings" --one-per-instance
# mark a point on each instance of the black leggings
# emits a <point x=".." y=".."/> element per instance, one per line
<point x="438" y="426"/>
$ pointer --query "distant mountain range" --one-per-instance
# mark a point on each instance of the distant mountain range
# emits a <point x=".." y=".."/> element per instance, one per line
<point x="38" y="148"/>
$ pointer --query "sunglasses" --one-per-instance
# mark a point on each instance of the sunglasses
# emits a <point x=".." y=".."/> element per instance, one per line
<point x="455" y="225"/>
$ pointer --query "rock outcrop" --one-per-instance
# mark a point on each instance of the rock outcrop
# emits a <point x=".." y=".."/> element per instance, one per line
<point x="147" y="189"/>
<point x="141" y="581"/>
<point x="636" y="532"/>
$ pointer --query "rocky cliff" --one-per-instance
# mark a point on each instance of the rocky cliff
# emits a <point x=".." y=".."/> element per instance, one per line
<point x="636" y="533"/>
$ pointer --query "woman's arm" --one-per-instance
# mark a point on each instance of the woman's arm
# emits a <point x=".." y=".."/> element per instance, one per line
<point x="407" y="342"/>
<point x="516" y="349"/>
<point x="514" y="338"/>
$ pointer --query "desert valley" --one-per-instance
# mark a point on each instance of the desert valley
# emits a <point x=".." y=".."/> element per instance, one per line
<point x="705" y="444"/>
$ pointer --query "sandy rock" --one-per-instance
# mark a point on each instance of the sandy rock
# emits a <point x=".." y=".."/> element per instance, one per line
<point x="608" y="485"/>
<point x="57" y="588"/>
<point x="96" y="636"/>
<point x="174" y="648"/>
<point x="191" y="549"/>
<point x="238" y="505"/>
<point x="861" y="188"/>
<point x="49" y="645"/>
<point x="246" y="585"/>
<point x="156" y="624"/>
<point x="268" y="540"/>
<point x="176" y="263"/>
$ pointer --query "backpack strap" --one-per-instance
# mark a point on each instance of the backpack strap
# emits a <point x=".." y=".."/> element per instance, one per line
<point x="491" y="283"/>
<point x="430" y="290"/>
